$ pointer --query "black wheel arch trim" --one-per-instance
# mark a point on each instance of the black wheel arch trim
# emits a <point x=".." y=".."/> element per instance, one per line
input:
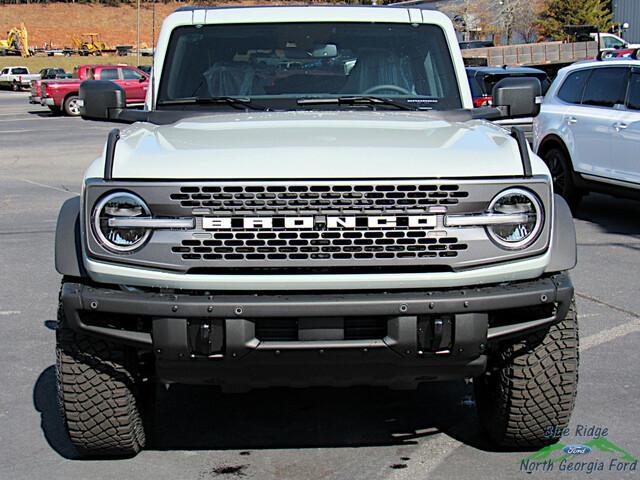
<point x="554" y="140"/>
<point x="68" y="246"/>
<point x="564" y="255"/>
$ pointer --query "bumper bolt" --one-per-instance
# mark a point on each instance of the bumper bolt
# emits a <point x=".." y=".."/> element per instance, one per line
<point x="403" y="308"/>
<point x="238" y="311"/>
<point x="466" y="304"/>
<point x="209" y="309"/>
<point x="93" y="305"/>
<point x="432" y="305"/>
<point x="158" y="350"/>
<point x="543" y="298"/>
<point x="174" y="308"/>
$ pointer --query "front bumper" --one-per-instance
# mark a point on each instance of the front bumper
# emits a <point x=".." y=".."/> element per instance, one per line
<point x="217" y="339"/>
<point x="35" y="99"/>
<point x="47" y="102"/>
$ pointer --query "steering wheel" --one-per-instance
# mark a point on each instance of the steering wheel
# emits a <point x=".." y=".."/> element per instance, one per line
<point x="394" y="88"/>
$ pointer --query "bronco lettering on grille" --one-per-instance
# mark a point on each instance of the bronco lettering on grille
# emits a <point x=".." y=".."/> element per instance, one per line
<point x="318" y="222"/>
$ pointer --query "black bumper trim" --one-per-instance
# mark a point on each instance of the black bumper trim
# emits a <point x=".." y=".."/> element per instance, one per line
<point x="77" y="297"/>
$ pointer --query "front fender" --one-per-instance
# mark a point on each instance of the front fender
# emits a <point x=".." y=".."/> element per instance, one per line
<point x="564" y="254"/>
<point x="68" y="250"/>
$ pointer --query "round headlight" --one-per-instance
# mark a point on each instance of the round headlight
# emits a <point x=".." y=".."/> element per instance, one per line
<point x="119" y="205"/>
<point x="517" y="234"/>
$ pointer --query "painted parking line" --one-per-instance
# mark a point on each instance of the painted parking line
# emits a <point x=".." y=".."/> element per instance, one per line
<point x="9" y="312"/>
<point x="30" y="118"/>
<point x="15" y="112"/>
<point x="43" y="185"/>
<point x="610" y="334"/>
<point x="42" y="130"/>
<point x="21" y="131"/>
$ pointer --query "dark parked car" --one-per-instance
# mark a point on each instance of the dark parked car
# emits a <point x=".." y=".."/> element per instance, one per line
<point x="482" y="80"/>
<point x="53" y="73"/>
<point x="145" y="68"/>
<point x="476" y="44"/>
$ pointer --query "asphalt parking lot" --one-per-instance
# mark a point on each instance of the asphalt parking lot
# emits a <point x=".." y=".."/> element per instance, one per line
<point x="357" y="433"/>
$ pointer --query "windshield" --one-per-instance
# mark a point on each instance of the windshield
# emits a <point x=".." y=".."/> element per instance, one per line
<point x="277" y="64"/>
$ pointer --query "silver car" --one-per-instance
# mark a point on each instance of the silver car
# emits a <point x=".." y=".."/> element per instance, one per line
<point x="588" y="130"/>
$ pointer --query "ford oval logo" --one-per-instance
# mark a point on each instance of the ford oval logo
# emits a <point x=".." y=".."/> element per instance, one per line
<point x="576" y="449"/>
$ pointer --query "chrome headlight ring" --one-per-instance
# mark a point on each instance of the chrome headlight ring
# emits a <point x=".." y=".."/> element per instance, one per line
<point x="120" y="205"/>
<point x="517" y="236"/>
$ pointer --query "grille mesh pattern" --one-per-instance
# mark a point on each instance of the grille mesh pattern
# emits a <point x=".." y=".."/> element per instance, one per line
<point x="305" y="245"/>
<point x="315" y="199"/>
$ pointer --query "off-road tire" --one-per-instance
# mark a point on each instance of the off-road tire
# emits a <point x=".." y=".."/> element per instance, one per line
<point x="97" y="393"/>
<point x="530" y="386"/>
<point x="562" y="173"/>
<point x="70" y="106"/>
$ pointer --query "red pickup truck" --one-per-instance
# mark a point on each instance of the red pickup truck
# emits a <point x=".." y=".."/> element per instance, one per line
<point x="62" y="95"/>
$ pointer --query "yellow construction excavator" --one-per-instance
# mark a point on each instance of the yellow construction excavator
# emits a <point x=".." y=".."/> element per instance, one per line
<point x="17" y="42"/>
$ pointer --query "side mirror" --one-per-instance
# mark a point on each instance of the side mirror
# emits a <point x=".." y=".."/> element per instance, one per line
<point x="101" y="100"/>
<point x="517" y="97"/>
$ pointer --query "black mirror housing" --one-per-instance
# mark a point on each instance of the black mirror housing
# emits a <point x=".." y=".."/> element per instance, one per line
<point x="102" y="100"/>
<point x="517" y="97"/>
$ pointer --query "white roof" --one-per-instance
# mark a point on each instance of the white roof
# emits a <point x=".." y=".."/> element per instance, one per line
<point x="607" y="62"/>
<point x="273" y="14"/>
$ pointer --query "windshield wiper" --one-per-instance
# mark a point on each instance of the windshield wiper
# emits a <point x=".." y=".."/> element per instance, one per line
<point x="235" y="102"/>
<point x="365" y="100"/>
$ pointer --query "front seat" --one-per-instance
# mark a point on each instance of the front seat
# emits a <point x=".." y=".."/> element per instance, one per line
<point x="378" y="66"/>
<point x="227" y="79"/>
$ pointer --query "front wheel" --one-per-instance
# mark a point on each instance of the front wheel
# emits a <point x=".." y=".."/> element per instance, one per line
<point x="529" y="391"/>
<point x="562" y="175"/>
<point x="72" y="106"/>
<point x="99" y="394"/>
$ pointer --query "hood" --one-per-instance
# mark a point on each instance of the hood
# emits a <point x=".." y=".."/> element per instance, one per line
<point x="291" y="145"/>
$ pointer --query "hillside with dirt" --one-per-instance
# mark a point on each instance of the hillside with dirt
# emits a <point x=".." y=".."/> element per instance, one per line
<point x="57" y="23"/>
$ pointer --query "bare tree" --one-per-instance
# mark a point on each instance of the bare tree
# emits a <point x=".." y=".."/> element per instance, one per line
<point x="472" y="17"/>
<point x="518" y="16"/>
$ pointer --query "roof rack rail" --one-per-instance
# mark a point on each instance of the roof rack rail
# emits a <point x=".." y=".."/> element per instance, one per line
<point x="421" y="4"/>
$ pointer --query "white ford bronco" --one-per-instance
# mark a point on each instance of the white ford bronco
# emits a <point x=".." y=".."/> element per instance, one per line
<point x="309" y="198"/>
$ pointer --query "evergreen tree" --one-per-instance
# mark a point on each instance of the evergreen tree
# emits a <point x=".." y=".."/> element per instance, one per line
<point x="559" y="13"/>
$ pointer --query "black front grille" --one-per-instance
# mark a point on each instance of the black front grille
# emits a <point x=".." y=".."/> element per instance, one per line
<point x="365" y="328"/>
<point x="318" y="246"/>
<point x="286" y="329"/>
<point x="277" y="329"/>
<point x="313" y="199"/>
<point x="318" y="226"/>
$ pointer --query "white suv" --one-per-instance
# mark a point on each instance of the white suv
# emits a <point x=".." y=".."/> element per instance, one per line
<point x="588" y="130"/>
